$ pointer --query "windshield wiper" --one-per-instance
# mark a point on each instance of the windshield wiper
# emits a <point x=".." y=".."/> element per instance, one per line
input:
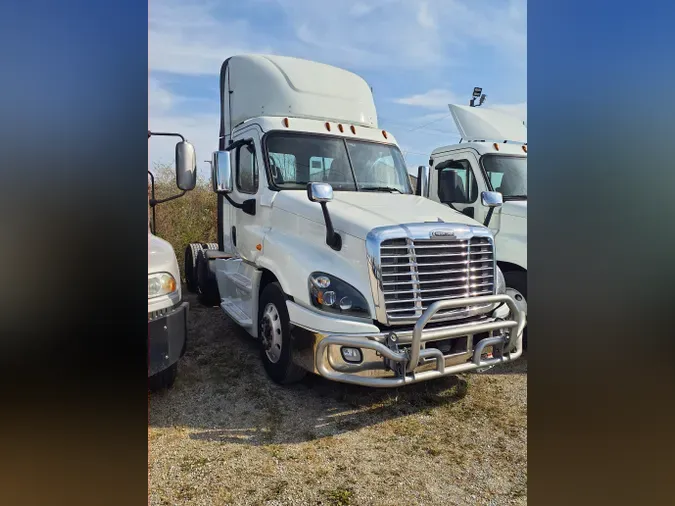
<point x="380" y="189"/>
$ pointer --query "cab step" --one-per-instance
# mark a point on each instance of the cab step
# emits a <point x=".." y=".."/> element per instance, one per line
<point x="241" y="318"/>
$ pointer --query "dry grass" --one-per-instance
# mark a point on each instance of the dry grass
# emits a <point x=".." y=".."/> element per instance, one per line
<point x="191" y="218"/>
<point x="225" y="434"/>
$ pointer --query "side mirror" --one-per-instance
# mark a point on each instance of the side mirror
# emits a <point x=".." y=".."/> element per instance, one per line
<point x="221" y="172"/>
<point x="422" y="181"/>
<point x="186" y="166"/>
<point x="323" y="193"/>
<point x="319" y="192"/>
<point x="491" y="199"/>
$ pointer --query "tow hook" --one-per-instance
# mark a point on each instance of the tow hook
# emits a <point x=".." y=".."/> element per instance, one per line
<point x="399" y="367"/>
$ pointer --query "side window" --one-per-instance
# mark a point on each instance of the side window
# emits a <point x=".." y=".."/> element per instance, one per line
<point x="247" y="174"/>
<point x="456" y="182"/>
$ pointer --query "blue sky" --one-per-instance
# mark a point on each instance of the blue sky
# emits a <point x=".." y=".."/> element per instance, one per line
<point x="418" y="55"/>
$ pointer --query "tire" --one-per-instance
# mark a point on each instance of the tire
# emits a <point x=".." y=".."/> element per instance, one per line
<point x="276" y="353"/>
<point x="210" y="245"/>
<point x="207" y="286"/>
<point x="190" y="266"/>
<point x="163" y="380"/>
<point x="517" y="282"/>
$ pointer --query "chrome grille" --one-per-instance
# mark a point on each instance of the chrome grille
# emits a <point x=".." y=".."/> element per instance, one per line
<point x="417" y="272"/>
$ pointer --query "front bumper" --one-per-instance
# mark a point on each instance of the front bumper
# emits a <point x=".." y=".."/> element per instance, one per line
<point x="167" y="336"/>
<point x="391" y="359"/>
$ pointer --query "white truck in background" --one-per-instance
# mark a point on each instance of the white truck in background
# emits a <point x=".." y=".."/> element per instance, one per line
<point x="491" y="156"/>
<point x="326" y="256"/>
<point x="167" y="312"/>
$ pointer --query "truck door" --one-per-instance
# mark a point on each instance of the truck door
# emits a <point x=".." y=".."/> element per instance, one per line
<point x="246" y="232"/>
<point x="457" y="181"/>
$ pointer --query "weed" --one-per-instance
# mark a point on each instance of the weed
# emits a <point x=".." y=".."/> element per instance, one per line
<point x="339" y="497"/>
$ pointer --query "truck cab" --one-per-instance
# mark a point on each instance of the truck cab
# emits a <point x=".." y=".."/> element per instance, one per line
<point x="167" y="312"/>
<point x="326" y="256"/>
<point x="492" y="156"/>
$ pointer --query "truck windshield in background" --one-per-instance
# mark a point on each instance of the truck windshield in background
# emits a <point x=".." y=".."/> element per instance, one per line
<point x="297" y="159"/>
<point x="507" y="175"/>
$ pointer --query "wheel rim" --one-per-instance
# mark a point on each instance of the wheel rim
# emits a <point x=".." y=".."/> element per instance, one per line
<point x="519" y="298"/>
<point x="271" y="333"/>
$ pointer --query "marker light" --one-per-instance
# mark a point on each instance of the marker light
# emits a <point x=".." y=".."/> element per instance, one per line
<point x="384" y="133"/>
<point x="327" y="126"/>
<point x="340" y="127"/>
<point x="286" y="122"/>
<point x="525" y="148"/>
<point x="353" y="129"/>
<point x="496" y="146"/>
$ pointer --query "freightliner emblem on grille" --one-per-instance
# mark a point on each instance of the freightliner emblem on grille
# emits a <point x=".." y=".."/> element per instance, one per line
<point x="442" y="233"/>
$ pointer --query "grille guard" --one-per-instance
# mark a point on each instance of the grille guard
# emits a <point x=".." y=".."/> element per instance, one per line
<point x="414" y="356"/>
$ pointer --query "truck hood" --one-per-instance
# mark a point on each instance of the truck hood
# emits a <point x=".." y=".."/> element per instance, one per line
<point x="161" y="257"/>
<point x="517" y="208"/>
<point x="357" y="213"/>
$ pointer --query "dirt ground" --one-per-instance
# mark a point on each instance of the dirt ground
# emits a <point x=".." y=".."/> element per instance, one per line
<point x="225" y="434"/>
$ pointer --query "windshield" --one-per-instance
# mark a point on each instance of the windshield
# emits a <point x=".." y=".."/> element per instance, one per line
<point x="348" y="165"/>
<point x="507" y="175"/>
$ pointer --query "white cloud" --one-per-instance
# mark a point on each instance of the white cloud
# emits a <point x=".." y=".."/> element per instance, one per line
<point x="424" y="17"/>
<point x="360" y="9"/>
<point x="432" y="99"/>
<point x="186" y="38"/>
<point x="159" y="98"/>
<point x="441" y="98"/>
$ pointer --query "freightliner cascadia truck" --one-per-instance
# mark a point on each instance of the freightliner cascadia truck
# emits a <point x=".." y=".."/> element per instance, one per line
<point x="325" y="254"/>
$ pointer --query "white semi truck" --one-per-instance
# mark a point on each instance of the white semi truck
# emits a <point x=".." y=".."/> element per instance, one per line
<point x="167" y="312"/>
<point x="325" y="254"/>
<point x="491" y="156"/>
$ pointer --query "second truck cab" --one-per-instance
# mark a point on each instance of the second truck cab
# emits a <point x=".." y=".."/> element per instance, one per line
<point x="325" y="253"/>
<point x="492" y="156"/>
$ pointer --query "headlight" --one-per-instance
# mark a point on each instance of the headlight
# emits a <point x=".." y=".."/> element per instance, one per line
<point x="161" y="283"/>
<point x="501" y="282"/>
<point x="331" y="294"/>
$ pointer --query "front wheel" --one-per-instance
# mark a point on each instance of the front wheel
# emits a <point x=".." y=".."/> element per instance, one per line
<point x="274" y="329"/>
<point x="516" y="287"/>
